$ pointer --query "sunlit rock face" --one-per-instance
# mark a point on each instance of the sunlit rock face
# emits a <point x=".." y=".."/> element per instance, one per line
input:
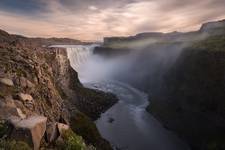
<point x="36" y="80"/>
<point x="214" y="27"/>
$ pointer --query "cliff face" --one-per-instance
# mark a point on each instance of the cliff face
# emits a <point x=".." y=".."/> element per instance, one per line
<point x="38" y="85"/>
<point x="183" y="73"/>
<point x="214" y="27"/>
<point x="191" y="101"/>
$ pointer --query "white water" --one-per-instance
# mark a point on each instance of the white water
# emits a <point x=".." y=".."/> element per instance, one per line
<point x="133" y="128"/>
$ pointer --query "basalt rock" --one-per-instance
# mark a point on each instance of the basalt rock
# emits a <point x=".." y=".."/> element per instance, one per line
<point x="6" y="81"/>
<point x="39" y="81"/>
<point x="30" y="130"/>
<point x="191" y="102"/>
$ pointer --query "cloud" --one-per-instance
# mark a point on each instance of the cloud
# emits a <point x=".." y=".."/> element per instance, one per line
<point x="93" y="8"/>
<point x="95" y="19"/>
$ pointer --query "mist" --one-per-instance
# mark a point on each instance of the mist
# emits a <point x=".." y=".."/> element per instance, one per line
<point x="135" y="67"/>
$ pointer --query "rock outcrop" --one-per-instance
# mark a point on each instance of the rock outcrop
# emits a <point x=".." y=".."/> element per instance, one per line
<point x="6" y="81"/>
<point x="191" y="102"/>
<point x="30" y="130"/>
<point x="39" y="81"/>
<point x="214" y="28"/>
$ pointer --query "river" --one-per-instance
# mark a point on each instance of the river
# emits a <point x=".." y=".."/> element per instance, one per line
<point x="126" y="125"/>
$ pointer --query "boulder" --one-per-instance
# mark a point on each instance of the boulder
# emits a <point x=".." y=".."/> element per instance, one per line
<point x="30" y="130"/>
<point x="62" y="127"/>
<point x="25" y="83"/>
<point x="25" y="97"/>
<point x="8" y="108"/>
<point x="7" y="112"/>
<point x="9" y="102"/>
<point x="20" y="113"/>
<point x="52" y="132"/>
<point x="55" y="130"/>
<point x="30" y="84"/>
<point x="6" y="81"/>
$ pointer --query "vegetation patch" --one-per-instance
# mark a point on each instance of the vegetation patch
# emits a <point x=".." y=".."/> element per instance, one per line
<point x="71" y="141"/>
<point x="213" y="43"/>
<point x="3" y="128"/>
<point x="84" y="127"/>
<point x="13" y="145"/>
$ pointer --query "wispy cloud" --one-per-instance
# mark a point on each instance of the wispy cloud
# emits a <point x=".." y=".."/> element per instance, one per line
<point x="94" y="19"/>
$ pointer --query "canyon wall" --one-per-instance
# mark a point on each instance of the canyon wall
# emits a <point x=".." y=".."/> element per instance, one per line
<point x="183" y="73"/>
<point x="38" y="85"/>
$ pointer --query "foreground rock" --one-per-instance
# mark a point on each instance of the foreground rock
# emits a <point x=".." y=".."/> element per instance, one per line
<point x="26" y="97"/>
<point x="25" y="83"/>
<point x="62" y="127"/>
<point x="30" y="130"/>
<point x="6" y="81"/>
<point x="37" y="80"/>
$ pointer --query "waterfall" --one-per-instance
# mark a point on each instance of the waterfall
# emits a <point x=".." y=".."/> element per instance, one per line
<point x="95" y="68"/>
<point x="80" y="57"/>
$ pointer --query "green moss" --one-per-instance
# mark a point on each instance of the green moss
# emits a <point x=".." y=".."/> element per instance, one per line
<point x="84" y="127"/>
<point x="214" y="43"/>
<point x="13" y="145"/>
<point x="72" y="141"/>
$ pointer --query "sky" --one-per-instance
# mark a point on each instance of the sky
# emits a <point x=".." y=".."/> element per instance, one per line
<point x="91" y="20"/>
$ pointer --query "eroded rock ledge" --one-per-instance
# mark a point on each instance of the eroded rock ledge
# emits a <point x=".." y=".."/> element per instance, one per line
<point x="38" y="82"/>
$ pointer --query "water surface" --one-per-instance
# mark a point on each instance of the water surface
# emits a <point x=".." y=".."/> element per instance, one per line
<point x="128" y="126"/>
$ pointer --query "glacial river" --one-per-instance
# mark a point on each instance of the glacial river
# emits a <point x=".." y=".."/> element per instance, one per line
<point x="127" y="126"/>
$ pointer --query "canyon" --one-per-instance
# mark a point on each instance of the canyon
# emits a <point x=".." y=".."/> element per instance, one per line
<point x="149" y="91"/>
<point x="183" y="75"/>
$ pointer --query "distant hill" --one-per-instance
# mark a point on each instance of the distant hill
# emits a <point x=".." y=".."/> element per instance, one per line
<point x="18" y="40"/>
<point x="141" y="39"/>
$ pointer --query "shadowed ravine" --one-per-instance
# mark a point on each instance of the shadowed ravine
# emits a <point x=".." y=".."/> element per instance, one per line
<point x="126" y="125"/>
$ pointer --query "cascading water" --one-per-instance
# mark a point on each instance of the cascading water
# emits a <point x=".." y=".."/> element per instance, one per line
<point x="132" y="127"/>
<point x="79" y="56"/>
<point x="90" y="68"/>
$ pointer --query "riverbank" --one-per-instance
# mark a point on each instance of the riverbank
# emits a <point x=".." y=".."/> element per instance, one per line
<point x="128" y="126"/>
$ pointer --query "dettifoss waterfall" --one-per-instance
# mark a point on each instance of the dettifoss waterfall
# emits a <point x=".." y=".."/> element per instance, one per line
<point x="131" y="127"/>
